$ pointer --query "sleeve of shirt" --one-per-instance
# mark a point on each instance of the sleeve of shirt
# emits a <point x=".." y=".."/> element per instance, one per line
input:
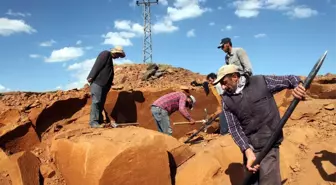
<point x="182" y="107"/>
<point x="235" y="129"/>
<point x="278" y="83"/>
<point x="245" y="61"/>
<point x="98" y="65"/>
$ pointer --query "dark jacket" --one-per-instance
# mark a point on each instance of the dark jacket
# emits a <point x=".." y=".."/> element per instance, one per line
<point x="102" y="71"/>
<point x="256" y="110"/>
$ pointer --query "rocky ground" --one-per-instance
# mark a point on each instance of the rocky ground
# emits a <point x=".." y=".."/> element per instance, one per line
<point x="45" y="137"/>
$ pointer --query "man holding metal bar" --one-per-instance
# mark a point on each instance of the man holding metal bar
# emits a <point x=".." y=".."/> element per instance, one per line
<point x="252" y="116"/>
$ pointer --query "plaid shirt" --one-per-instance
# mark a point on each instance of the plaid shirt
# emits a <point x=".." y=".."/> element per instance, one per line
<point x="274" y="84"/>
<point x="172" y="102"/>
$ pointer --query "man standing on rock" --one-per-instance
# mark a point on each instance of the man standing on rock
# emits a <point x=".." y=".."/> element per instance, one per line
<point x="236" y="56"/>
<point x="101" y="79"/>
<point x="252" y="116"/>
<point x="217" y="91"/>
<point x="163" y="107"/>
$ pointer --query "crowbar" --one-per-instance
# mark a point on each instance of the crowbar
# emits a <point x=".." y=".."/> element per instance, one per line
<point x="285" y="117"/>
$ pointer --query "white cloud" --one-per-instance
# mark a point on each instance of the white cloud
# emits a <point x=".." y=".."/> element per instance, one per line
<point x="163" y="2"/>
<point x="88" y="47"/>
<point x="123" y="61"/>
<point x="10" y="12"/>
<point x="191" y="33"/>
<point x="260" y="35"/>
<point x="35" y="56"/>
<point x="11" y="26"/>
<point x="247" y="8"/>
<point x="219" y="8"/>
<point x="236" y="37"/>
<point x="47" y="43"/>
<point x="58" y="87"/>
<point x="65" y="54"/>
<point x="212" y="24"/>
<point x="301" y="12"/>
<point x="165" y="26"/>
<point x="228" y="27"/>
<point x="252" y="8"/>
<point x="78" y="42"/>
<point x="185" y="9"/>
<point x="3" y="88"/>
<point x="129" y="26"/>
<point x="118" y="38"/>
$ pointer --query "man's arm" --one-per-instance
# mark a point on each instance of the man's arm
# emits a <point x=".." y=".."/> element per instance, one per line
<point x="182" y="107"/>
<point x="235" y="129"/>
<point x="245" y="61"/>
<point x="278" y="83"/>
<point x="98" y="65"/>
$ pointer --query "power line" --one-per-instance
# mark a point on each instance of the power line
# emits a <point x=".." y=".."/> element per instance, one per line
<point x="147" y="39"/>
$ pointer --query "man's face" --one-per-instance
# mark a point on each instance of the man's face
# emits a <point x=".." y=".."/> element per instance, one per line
<point x="229" y="83"/>
<point x="211" y="80"/>
<point x="188" y="103"/>
<point x="226" y="47"/>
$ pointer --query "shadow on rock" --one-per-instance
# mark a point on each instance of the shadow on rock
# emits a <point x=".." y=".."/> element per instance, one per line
<point x="326" y="156"/>
<point x="125" y="109"/>
<point x="235" y="172"/>
<point x="59" y="110"/>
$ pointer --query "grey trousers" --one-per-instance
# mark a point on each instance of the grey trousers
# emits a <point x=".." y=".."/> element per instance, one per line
<point x="269" y="171"/>
<point x="161" y="118"/>
<point x="98" y="94"/>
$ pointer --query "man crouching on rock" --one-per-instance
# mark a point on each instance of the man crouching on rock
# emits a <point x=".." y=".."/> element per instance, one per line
<point x="163" y="107"/>
<point x="101" y="79"/>
<point x="252" y="116"/>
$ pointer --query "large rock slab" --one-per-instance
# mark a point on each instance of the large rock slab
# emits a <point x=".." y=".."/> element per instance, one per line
<point x="21" y="169"/>
<point x="114" y="156"/>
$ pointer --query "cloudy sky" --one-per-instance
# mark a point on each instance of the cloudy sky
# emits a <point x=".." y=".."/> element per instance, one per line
<point x="48" y="45"/>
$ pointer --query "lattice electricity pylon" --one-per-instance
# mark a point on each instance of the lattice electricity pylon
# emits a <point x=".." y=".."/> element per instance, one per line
<point x="147" y="39"/>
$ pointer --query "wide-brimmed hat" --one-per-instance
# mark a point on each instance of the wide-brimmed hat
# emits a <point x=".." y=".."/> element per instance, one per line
<point x="118" y="49"/>
<point x="225" y="70"/>
<point x="193" y="99"/>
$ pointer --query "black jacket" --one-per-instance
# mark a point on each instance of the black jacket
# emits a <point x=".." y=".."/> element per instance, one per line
<point x="102" y="71"/>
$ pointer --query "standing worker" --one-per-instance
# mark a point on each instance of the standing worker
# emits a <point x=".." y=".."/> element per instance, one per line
<point x="101" y="79"/>
<point x="217" y="91"/>
<point x="236" y="56"/>
<point x="163" y="107"/>
<point x="252" y="116"/>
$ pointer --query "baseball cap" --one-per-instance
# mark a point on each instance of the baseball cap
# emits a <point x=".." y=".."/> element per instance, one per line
<point x="224" y="41"/>
<point x="225" y="70"/>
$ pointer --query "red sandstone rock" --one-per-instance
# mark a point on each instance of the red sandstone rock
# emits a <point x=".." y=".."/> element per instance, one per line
<point x="22" y="168"/>
<point x="120" y="156"/>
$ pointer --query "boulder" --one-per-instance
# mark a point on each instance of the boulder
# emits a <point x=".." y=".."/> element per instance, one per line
<point x="21" y="168"/>
<point x="120" y="156"/>
<point x="18" y="137"/>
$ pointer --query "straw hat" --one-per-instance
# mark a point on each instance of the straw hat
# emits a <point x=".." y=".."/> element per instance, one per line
<point x="118" y="49"/>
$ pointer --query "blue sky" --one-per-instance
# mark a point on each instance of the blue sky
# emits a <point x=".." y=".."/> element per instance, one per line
<point x="48" y="45"/>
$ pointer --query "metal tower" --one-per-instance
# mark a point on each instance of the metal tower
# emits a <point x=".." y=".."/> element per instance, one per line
<point x="147" y="39"/>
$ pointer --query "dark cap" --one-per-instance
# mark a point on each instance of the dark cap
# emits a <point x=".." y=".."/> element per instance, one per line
<point x="224" y="41"/>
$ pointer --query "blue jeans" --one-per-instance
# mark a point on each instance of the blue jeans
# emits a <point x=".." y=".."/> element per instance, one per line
<point x="98" y="94"/>
<point x="161" y="118"/>
<point x="224" y="129"/>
